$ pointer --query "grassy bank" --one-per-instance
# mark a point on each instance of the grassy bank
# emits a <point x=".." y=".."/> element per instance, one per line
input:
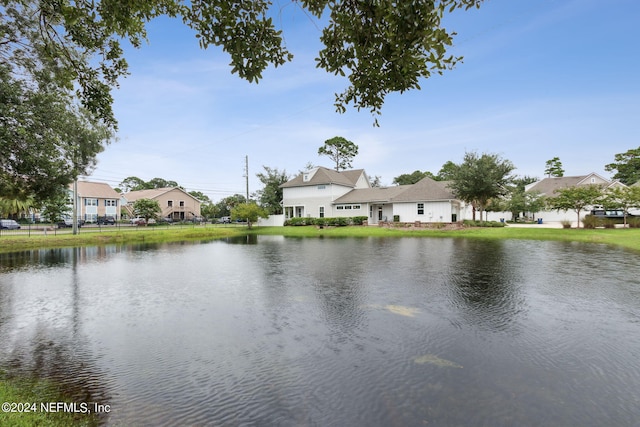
<point x="10" y="243"/>
<point x="627" y="238"/>
<point x="26" y="401"/>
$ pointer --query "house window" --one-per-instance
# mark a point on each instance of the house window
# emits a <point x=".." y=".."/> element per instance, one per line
<point x="321" y="187"/>
<point x="420" y="208"/>
<point x="347" y="206"/>
<point x="593" y="180"/>
<point x="182" y="203"/>
<point x="340" y="207"/>
<point x="305" y="177"/>
<point x="111" y="202"/>
<point x="321" y="212"/>
<point x="91" y="202"/>
<point x="356" y="206"/>
<point x="170" y="203"/>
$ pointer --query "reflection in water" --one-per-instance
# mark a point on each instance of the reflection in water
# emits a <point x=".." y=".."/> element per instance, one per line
<point x="54" y="350"/>
<point x="277" y="331"/>
<point x="485" y="284"/>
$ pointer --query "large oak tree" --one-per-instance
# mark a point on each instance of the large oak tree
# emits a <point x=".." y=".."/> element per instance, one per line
<point x="380" y="46"/>
<point x="46" y="141"/>
<point x="480" y="178"/>
<point x="55" y="49"/>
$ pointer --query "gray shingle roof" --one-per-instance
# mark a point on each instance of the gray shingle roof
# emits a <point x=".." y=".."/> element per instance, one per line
<point x="371" y="195"/>
<point x="549" y="186"/>
<point x="327" y="176"/>
<point x="424" y="190"/>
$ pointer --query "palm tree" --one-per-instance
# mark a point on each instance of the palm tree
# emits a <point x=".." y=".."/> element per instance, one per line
<point x="13" y="207"/>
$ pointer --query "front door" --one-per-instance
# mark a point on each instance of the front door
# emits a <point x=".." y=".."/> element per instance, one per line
<point x="379" y="213"/>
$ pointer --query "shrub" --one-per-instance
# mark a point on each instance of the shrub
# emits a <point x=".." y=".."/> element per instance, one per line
<point x="633" y="222"/>
<point x="335" y="222"/>
<point x="298" y="221"/>
<point x="320" y="222"/>
<point x="609" y="223"/>
<point x="359" y="220"/>
<point x="589" y="221"/>
<point x="565" y="223"/>
<point x="477" y="223"/>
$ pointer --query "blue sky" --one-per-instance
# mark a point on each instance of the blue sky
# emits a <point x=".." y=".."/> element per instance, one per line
<point x="540" y="79"/>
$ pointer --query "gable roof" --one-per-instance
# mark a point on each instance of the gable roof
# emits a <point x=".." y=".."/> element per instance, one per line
<point x="424" y="190"/>
<point x="322" y="175"/>
<point x="549" y="186"/>
<point x="371" y="195"/>
<point x="99" y="190"/>
<point x="153" y="193"/>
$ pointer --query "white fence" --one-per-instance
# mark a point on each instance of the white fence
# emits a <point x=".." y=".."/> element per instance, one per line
<point x="272" y="221"/>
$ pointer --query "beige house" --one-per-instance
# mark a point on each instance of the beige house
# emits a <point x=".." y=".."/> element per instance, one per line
<point x="176" y="204"/>
<point x="96" y="199"/>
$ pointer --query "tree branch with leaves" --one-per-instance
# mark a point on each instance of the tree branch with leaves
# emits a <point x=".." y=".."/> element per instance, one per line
<point x="381" y="47"/>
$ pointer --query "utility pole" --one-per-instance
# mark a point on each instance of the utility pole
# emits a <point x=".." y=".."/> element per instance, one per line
<point x="246" y="169"/>
<point x="75" y="206"/>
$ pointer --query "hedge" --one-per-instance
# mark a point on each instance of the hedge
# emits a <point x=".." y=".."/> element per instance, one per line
<point x="327" y="222"/>
<point x="472" y="223"/>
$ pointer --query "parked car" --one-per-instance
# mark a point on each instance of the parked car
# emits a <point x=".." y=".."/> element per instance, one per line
<point x="9" y="224"/>
<point x="68" y="222"/>
<point x="137" y="221"/>
<point x="225" y="220"/>
<point x="610" y="213"/>
<point x="106" y="220"/>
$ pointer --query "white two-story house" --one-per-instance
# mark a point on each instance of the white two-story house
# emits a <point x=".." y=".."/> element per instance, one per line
<point x="312" y="193"/>
<point x="323" y="192"/>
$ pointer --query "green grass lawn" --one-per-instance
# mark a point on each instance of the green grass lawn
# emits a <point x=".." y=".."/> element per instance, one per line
<point x="115" y="235"/>
<point x="628" y="237"/>
<point x="27" y="402"/>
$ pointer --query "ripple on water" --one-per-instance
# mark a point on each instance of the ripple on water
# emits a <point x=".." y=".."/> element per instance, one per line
<point x="344" y="332"/>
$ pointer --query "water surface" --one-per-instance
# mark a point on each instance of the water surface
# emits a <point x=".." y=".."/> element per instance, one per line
<point x="332" y="332"/>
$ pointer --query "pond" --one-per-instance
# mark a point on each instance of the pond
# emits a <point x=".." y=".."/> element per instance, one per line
<point x="274" y="331"/>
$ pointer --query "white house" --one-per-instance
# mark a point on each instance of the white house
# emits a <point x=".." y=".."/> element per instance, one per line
<point x="312" y="193"/>
<point x="323" y="192"/>
<point x="548" y="187"/>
